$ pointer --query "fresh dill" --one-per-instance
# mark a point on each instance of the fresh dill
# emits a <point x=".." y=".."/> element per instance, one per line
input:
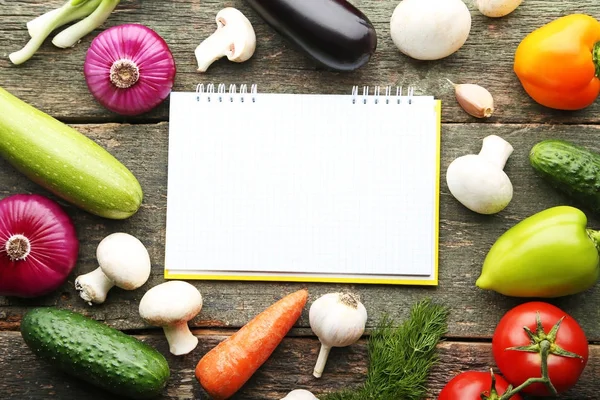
<point x="401" y="357"/>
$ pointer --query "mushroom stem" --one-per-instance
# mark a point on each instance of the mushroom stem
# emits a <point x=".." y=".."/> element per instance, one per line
<point x="321" y="360"/>
<point x="93" y="286"/>
<point x="496" y="150"/>
<point x="211" y="49"/>
<point x="180" y="338"/>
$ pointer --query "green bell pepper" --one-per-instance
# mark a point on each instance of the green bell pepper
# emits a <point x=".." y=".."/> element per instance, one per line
<point x="549" y="254"/>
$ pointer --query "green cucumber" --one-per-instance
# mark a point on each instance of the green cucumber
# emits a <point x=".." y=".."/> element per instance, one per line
<point x="65" y="162"/>
<point x="95" y="352"/>
<point x="571" y="169"/>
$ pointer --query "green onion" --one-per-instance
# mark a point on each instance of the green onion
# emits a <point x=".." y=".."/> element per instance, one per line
<point x="92" y="13"/>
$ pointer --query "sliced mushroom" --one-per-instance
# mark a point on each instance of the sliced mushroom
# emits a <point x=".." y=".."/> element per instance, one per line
<point x="234" y="38"/>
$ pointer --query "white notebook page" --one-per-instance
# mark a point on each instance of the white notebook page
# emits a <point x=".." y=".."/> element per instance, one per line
<point x="301" y="184"/>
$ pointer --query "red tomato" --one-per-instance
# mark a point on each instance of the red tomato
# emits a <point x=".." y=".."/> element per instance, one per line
<point x="470" y="385"/>
<point x="517" y="366"/>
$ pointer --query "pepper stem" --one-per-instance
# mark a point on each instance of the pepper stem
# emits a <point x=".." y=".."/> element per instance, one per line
<point x="124" y="73"/>
<point x="596" y="58"/>
<point x="17" y="247"/>
<point x="594" y="237"/>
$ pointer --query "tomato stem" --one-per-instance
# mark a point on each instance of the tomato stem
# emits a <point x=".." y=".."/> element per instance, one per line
<point x="544" y="344"/>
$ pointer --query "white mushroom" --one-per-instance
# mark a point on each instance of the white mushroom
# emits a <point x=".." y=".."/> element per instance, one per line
<point x="234" y="38"/>
<point x="300" y="394"/>
<point x="123" y="262"/>
<point x="430" y="29"/>
<point x="171" y="305"/>
<point x="478" y="180"/>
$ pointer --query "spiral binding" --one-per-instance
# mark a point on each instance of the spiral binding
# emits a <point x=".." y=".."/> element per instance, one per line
<point x="222" y="93"/>
<point x="390" y="95"/>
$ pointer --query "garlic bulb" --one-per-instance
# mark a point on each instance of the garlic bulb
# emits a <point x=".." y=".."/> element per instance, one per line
<point x="497" y="8"/>
<point x="339" y="320"/>
<point x="300" y="394"/>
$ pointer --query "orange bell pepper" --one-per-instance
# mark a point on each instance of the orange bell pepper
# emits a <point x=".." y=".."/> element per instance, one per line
<point x="559" y="63"/>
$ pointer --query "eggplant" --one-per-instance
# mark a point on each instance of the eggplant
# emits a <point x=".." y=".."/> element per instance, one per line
<point x="332" y="32"/>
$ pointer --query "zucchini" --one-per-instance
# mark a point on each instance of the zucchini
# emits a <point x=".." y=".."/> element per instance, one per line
<point x="569" y="168"/>
<point x="96" y="353"/>
<point x="65" y="162"/>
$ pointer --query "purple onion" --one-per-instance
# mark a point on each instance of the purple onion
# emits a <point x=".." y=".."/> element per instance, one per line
<point x="38" y="245"/>
<point x="129" y="69"/>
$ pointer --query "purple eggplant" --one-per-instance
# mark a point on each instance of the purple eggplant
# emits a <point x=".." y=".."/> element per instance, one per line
<point x="333" y="32"/>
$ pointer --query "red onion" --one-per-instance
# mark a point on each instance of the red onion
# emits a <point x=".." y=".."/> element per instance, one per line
<point x="38" y="246"/>
<point x="129" y="69"/>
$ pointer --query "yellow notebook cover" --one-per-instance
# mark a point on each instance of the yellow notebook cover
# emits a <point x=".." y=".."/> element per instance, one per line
<point x="303" y="187"/>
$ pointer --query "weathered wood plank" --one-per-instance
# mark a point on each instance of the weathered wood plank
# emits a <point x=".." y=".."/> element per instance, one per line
<point x="465" y="239"/>
<point x="290" y="367"/>
<point x="53" y="79"/>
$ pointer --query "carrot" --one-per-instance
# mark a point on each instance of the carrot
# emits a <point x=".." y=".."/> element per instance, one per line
<point x="226" y="368"/>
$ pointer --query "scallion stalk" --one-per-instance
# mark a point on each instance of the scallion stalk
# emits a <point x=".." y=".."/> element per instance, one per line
<point x="70" y="36"/>
<point x="77" y="10"/>
<point x="93" y="12"/>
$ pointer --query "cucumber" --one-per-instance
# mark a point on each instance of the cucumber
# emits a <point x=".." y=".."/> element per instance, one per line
<point x="65" y="162"/>
<point x="95" y="352"/>
<point x="569" y="168"/>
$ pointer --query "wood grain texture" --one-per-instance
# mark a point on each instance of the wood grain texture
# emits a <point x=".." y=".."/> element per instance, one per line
<point x="465" y="238"/>
<point x="53" y="81"/>
<point x="290" y="367"/>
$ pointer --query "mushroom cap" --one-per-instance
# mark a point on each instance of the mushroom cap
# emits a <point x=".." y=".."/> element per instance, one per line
<point x="478" y="184"/>
<point x="170" y="303"/>
<point x="124" y="259"/>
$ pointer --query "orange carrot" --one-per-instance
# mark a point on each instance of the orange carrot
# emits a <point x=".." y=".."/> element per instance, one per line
<point x="224" y="370"/>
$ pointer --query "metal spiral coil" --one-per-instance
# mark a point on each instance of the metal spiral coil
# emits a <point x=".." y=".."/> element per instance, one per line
<point x="387" y="96"/>
<point x="208" y="92"/>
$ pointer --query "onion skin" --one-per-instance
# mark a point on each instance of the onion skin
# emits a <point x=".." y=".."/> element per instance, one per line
<point x="53" y="245"/>
<point x="333" y="32"/>
<point x="148" y="51"/>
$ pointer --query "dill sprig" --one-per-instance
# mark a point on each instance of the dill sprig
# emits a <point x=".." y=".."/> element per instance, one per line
<point x="400" y="358"/>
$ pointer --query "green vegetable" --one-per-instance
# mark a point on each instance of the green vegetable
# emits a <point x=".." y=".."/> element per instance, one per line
<point x="569" y="168"/>
<point x="95" y="352"/>
<point x="549" y="254"/>
<point x="93" y="12"/>
<point x="65" y="162"/>
<point x="401" y="357"/>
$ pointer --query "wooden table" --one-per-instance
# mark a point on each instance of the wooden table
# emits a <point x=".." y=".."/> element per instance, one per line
<point x="53" y="81"/>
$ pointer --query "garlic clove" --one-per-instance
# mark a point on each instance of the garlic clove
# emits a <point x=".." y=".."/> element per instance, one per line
<point x="497" y="8"/>
<point x="474" y="99"/>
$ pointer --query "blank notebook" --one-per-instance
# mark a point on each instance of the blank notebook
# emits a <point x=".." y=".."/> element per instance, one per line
<point x="303" y="187"/>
